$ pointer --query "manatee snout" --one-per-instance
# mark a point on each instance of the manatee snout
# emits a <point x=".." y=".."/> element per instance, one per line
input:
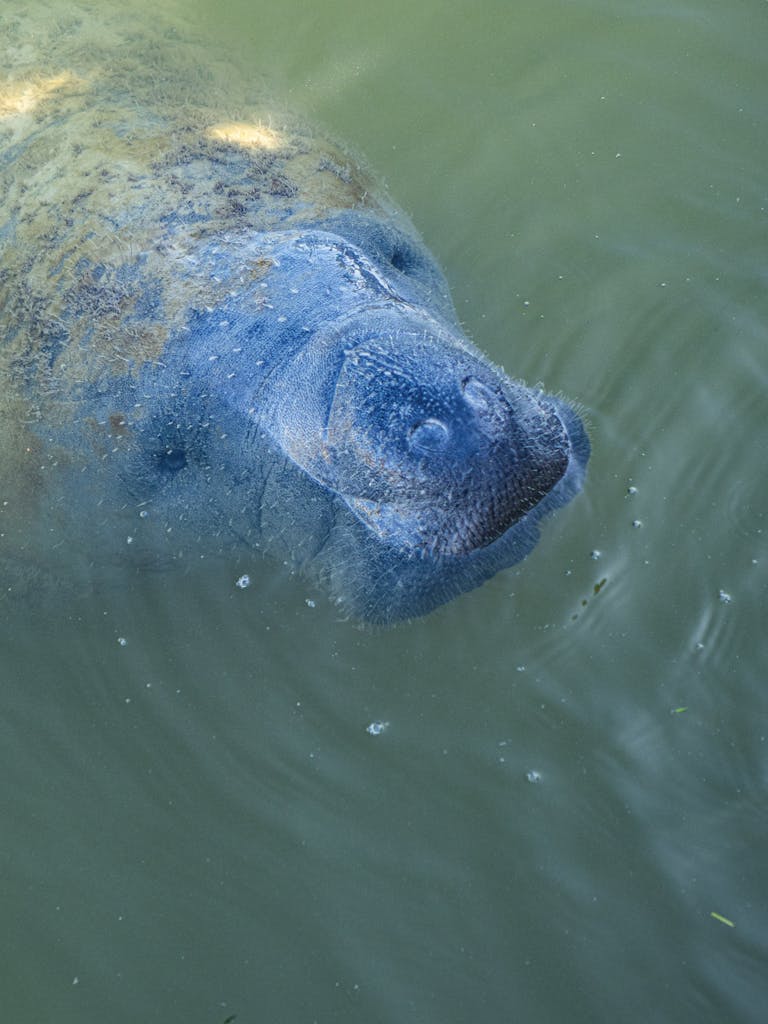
<point x="436" y="451"/>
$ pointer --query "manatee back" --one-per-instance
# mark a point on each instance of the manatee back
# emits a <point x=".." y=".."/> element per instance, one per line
<point x="120" y="150"/>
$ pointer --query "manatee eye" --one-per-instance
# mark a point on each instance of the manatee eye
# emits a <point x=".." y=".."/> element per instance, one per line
<point x="405" y="257"/>
<point x="479" y="395"/>
<point x="428" y="436"/>
<point x="401" y="253"/>
<point x="399" y="260"/>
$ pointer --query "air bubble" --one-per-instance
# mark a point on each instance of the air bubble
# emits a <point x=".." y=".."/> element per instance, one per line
<point x="376" y="728"/>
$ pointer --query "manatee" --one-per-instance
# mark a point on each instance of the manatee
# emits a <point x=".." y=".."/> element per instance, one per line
<point x="218" y="334"/>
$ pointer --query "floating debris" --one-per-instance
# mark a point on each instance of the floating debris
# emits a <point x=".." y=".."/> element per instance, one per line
<point x="721" y="919"/>
<point x="243" y="581"/>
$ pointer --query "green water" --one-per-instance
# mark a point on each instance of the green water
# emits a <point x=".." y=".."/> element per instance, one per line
<point x="572" y="781"/>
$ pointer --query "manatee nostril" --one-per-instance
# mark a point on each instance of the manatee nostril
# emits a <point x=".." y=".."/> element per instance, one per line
<point x="428" y="436"/>
<point x="478" y="395"/>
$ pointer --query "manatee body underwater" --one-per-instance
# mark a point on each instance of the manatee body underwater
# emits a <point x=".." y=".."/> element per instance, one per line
<point x="218" y="333"/>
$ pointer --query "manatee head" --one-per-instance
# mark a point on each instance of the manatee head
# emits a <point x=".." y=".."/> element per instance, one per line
<point x="433" y="451"/>
<point x="338" y="418"/>
<point x="439" y="464"/>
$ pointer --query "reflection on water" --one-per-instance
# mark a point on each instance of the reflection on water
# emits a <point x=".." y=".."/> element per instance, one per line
<point x="564" y="817"/>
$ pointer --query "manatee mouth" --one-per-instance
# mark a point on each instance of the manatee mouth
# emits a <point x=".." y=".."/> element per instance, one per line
<point x="434" y="451"/>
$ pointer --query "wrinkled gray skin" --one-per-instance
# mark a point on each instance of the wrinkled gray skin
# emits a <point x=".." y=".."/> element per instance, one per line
<point x="217" y="332"/>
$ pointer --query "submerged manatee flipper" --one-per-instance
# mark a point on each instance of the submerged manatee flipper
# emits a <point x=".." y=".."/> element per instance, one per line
<point x="218" y="333"/>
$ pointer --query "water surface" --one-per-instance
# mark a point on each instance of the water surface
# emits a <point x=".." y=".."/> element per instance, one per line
<point x="565" y="816"/>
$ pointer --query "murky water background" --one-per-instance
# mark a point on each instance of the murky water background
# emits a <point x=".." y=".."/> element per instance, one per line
<point x="566" y="815"/>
